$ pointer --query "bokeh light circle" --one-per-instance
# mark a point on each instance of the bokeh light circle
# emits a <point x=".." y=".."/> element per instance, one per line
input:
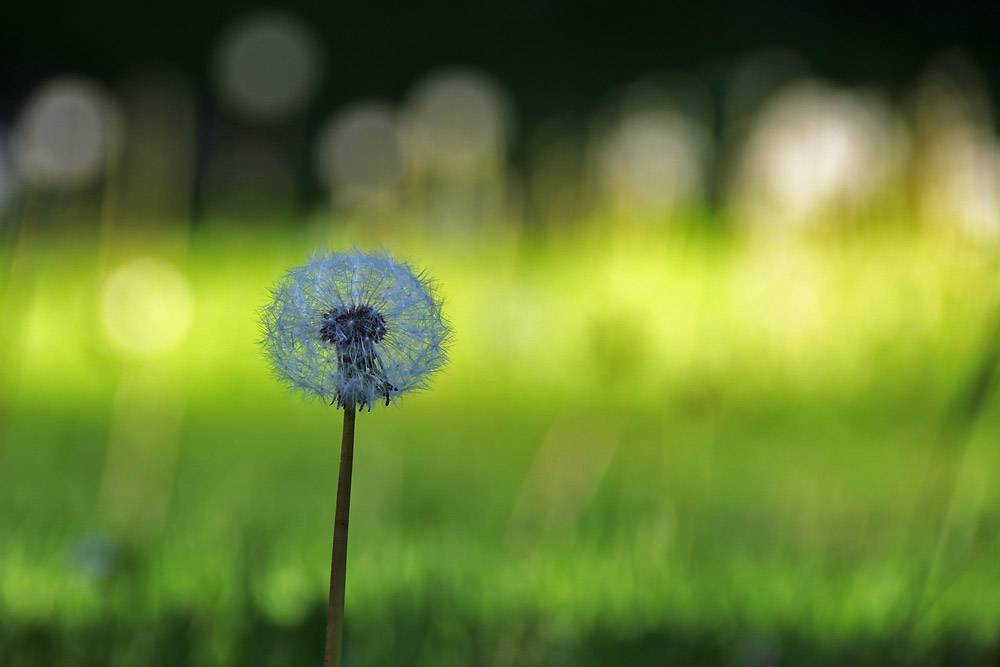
<point x="147" y="306"/>
<point x="814" y="150"/>
<point x="459" y="118"/>
<point x="65" y="134"/>
<point x="360" y="154"/>
<point x="657" y="157"/>
<point x="267" y="67"/>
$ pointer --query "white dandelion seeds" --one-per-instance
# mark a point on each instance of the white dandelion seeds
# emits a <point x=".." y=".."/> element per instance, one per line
<point x="355" y="329"/>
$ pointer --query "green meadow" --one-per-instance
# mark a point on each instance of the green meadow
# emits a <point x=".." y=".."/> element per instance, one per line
<point x="650" y="447"/>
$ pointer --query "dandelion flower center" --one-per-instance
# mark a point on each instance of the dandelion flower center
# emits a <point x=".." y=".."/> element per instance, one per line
<point x="352" y="325"/>
<point x="353" y="331"/>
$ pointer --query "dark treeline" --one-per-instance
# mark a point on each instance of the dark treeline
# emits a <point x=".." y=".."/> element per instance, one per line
<point x="552" y="55"/>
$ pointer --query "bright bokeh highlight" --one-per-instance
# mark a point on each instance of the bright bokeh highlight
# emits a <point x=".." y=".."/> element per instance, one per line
<point x="147" y="306"/>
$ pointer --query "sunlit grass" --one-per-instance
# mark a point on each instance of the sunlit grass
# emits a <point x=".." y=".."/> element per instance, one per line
<point x="650" y="313"/>
<point x="655" y="435"/>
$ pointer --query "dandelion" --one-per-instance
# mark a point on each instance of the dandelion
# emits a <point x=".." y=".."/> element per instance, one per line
<point x="358" y="331"/>
<point x="355" y="329"/>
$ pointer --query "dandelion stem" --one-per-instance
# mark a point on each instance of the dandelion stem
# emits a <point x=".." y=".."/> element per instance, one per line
<point x="338" y="566"/>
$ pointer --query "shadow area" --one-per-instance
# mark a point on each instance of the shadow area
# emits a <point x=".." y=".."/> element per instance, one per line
<point x="432" y="633"/>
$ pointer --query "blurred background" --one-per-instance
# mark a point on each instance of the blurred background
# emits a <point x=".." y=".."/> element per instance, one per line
<point x="724" y="281"/>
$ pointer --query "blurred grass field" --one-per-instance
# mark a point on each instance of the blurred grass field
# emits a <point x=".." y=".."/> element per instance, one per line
<point x="651" y="447"/>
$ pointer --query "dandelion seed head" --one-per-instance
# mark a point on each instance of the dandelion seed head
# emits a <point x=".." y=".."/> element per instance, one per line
<point x="355" y="329"/>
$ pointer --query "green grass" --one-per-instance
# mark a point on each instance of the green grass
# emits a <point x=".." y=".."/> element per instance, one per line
<point x="664" y="449"/>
